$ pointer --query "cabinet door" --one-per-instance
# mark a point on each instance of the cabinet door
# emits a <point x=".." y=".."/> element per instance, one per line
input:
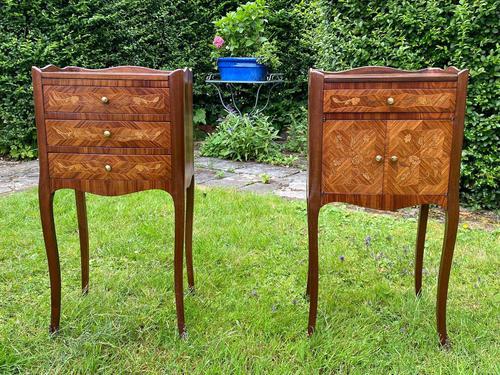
<point x="417" y="157"/>
<point x="350" y="149"/>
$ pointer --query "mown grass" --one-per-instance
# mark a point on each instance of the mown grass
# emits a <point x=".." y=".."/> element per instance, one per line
<point x="248" y="314"/>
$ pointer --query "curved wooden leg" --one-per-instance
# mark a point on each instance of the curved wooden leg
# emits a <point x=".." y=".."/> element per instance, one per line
<point x="450" y="235"/>
<point x="419" y="248"/>
<point x="83" y="231"/>
<point x="180" y="217"/>
<point x="308" y="287"/>
<point x="189" y="234"/>
<point x="46" y="201"/>
<point x="312" y="219"/>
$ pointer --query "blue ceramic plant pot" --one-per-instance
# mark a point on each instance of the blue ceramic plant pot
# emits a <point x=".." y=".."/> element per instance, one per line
<point x="241" y="69"/>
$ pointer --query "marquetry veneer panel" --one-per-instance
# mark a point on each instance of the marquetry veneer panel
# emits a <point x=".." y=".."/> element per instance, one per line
<point x="423" y="150"/>
<point x="109" y="167"/>
<point x="88" y="99"/>
<point x="389" y="100"/>
<point x="350" y="149"/>
<point x="84" y="133"/>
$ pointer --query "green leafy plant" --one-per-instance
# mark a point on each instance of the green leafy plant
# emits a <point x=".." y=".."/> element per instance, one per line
<point x="243" y="33"/>
<point x="297" y="131"/>
<point x="199" y="116"/>
<point x="265" y="178"/>
<point x="244" y="138"/>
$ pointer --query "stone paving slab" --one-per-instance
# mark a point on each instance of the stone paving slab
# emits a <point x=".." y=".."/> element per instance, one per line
<point x="17" y="175"/>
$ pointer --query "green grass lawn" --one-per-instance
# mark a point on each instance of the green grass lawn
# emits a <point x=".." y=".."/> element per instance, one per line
<point x="248" y="314"/>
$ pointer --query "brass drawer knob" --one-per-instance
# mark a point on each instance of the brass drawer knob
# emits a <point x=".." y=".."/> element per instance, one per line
<point x="394" y="158"/>
<point x="390" y="101"/>
<point x="107" y="167"/>
<point x="106" y="133"/>
<point x="378" y="158"/>
<point x="105" y="100"/>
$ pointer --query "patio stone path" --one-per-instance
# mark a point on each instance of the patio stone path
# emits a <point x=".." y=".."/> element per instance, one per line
<point x="287" y="182"/>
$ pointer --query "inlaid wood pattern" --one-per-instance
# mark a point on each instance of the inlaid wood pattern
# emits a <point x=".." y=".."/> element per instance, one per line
<point x="93" y="167"/>
<point x="423" y="151"/>
<point x="349" y="161"/>
<point x="104" y="82"/>
<point x="376" y="100"/>
<point x="390" y="85"/>
<point x="119" y="133"/>
<point x="129" y="100"/>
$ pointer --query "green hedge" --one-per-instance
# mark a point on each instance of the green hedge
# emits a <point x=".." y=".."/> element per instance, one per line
<point x="330" y="35"/>
<point x="414" y="34"/>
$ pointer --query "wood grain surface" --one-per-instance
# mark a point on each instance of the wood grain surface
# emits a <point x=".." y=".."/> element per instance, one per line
<point x="376" y="100"/>
<point x="422" y="148"/>
<point x="121" y="99"/>
<point x="349" y="162"/>
<point x="93" y="167"/>
<point x="84" y="133"/>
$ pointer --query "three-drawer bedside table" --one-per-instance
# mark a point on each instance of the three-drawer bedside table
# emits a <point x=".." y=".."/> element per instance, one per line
<point x="386" y="139"/>
<point x="111" y="132"/>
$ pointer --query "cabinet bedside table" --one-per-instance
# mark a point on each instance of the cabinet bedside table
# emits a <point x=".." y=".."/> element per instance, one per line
<point x="111" y="132"/>
<point x="386" y="139"/>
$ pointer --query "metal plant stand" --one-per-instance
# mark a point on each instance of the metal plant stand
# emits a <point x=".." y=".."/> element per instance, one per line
<point x="231" y="104"/>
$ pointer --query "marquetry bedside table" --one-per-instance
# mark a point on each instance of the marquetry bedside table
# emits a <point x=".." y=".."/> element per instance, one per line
<point x="112" y="132"/>
<point x="385" y="138"/>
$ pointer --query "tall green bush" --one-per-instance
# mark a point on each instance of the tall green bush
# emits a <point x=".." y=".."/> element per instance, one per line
<point x="420" y="33"/>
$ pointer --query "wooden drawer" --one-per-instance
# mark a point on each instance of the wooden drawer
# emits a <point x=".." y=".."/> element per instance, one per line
<point x="389" y="100"/>
<point x="109" y="167"/>
<point x="113" y="100"/>
<point x="87" y="133"/>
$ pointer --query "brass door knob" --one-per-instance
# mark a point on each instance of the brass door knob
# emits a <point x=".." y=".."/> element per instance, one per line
<point x="107" y="167"/>
<point x="394" y="158"/>
<point x="378" y="158"/>
<point x="106" y="133"/>
<point x="105" y="100"/>
<point x="390" y="101"/>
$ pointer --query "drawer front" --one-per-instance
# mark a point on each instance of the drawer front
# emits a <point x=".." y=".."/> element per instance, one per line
<point x="389" y="100"/>
<point x="116" y="100"/>
<point x="82" y="133"/>
<point x="109" y="167"/>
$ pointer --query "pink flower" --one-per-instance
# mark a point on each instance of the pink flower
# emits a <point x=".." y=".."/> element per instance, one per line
<point x="218" y="42"/>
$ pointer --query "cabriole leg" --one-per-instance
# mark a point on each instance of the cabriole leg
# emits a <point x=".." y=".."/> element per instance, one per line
<point x="312" y="289"/>
<point x="189" y="234"/>
<point x="180" y="217"/>
<point x="450" y="235"/>
<point x="83" y="231"/>
<point x="419" y="248"/>
<point x="46" y="201"/>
